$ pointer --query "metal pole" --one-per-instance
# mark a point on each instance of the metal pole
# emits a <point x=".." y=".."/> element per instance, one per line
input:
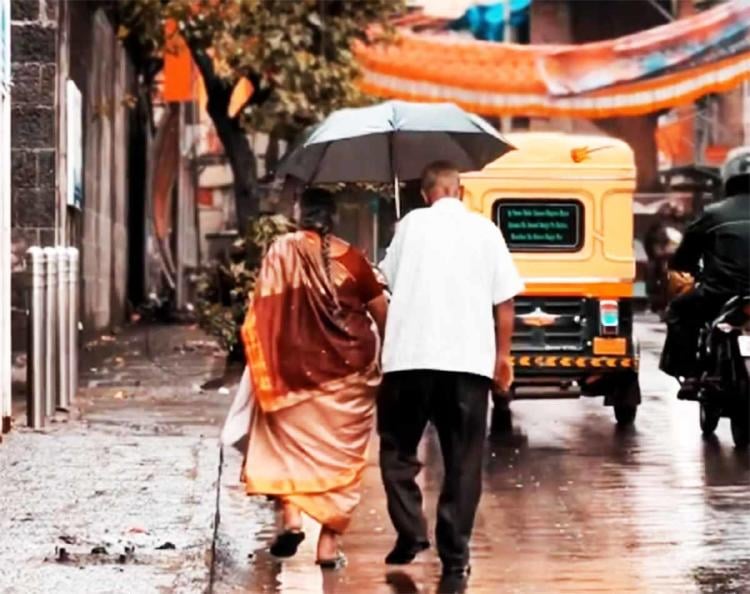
<point x="73" y="317"/>
<point x="375" y="227"/>
<point x="507" y="121"/>
<point x="50" y="332"/>
<point x="35" y="352"/>
<point x="63" y="328"/>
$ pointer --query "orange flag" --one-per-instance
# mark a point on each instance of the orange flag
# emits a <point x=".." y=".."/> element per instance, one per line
<point x="178" y="65"/>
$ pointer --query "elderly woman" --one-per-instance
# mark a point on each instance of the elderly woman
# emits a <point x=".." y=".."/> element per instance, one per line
<point x="312" y="352"/>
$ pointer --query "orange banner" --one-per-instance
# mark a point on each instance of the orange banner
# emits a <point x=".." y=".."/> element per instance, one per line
<point x="179" y="78"/>
<point x="642" y="73"/>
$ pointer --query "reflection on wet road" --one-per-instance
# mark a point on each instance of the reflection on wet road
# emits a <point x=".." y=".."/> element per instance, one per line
<point x="570" y="505"/>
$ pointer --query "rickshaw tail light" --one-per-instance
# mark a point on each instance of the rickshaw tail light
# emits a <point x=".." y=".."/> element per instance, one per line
<point x="609" y="318"/>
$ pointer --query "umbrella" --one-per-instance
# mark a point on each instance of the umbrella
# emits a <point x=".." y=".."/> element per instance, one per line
<point x="392" y="141"/>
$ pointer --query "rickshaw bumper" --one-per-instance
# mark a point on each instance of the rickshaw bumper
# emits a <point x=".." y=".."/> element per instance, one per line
<point x="564" y="376"/>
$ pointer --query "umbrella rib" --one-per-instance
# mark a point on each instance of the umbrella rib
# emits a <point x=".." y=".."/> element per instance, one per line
<point x="319" y="163"/>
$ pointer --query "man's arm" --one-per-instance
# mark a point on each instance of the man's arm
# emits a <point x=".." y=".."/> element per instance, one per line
<point x="504" y="317"/>
<point x="389" y="265"/>
<point x="378" y="309"/>
<point x="504" y="314"/>
<point x="507" y="283"/>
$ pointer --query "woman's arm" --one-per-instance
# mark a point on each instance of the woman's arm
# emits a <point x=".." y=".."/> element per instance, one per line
<point x="378" y="309"/>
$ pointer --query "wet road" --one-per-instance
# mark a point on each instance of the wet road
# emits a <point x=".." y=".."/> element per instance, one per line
<point x="570" y="504"/>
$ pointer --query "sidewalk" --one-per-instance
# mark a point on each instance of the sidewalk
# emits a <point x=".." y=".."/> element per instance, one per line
<point x="120" y="495"/>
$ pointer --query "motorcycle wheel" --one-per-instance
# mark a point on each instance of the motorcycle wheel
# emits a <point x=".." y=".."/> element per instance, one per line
<point x="709" y="419"/>
<point x="741" y="425"/>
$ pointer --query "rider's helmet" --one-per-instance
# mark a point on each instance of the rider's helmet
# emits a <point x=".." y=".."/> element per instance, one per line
<point x="735" y="172"/>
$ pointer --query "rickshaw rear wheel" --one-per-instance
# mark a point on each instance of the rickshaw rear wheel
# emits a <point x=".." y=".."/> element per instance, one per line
<point x="625" y="414"/>
<point x="741" y="425"/>
<point x="625" y="398"/>
<point x="709" y="419"/>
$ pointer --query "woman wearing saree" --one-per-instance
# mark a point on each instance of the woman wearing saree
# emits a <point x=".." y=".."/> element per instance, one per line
<point x="313" y="353"/>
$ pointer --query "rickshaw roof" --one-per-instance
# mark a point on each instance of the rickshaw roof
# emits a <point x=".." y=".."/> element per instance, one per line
<point x="564" y="150"/>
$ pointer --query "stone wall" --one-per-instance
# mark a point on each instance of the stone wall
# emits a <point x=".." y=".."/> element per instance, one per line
<point x="33" y="140"/>
<point x="53" y="41"/>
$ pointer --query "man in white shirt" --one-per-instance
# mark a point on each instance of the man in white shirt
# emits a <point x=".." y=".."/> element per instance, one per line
<point x="447" y="338"/>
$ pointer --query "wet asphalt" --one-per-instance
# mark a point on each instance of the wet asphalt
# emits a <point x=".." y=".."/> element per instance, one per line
<point x="571" y="504"/>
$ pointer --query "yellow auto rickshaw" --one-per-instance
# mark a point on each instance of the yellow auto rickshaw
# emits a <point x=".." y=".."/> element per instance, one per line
<point x="564" y="203"/>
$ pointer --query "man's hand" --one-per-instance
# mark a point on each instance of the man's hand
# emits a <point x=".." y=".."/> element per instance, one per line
<point x="503" y="377"/>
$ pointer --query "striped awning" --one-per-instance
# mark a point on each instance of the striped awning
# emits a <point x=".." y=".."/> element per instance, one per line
<point x="641" y="73"/>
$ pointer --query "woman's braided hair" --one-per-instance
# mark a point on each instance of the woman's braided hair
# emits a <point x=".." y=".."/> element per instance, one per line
<point x="317" y="209"/>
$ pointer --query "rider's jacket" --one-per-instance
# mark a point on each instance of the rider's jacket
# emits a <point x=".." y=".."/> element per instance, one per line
<point x="721" y="238"/>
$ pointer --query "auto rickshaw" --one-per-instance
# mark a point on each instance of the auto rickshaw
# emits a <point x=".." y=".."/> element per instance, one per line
<point x="565" y="206"/>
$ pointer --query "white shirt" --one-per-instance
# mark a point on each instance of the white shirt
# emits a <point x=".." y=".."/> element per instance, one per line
<point x="446" y="268"/>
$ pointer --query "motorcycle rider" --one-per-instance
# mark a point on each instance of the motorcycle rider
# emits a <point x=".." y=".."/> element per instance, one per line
<point x="716" y="250"/>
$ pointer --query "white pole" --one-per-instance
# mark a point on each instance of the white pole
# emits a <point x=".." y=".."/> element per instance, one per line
<point x="36" y="359"/>
<point x="63" y="327"/>
<point x="50" y="332"/>
<point x="73" y="322"/>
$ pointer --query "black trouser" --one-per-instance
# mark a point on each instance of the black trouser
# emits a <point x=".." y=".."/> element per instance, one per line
<point x="456" y="403"/>
<point x="686" y="315"/>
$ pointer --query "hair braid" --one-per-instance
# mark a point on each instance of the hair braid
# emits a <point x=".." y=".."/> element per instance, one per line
<point x="317" y="208"/>
<point x="325" y="240"/>
<point x="325" y="249"/>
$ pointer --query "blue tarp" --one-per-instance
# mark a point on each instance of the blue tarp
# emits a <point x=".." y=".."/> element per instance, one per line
<point x="487" y="21"/>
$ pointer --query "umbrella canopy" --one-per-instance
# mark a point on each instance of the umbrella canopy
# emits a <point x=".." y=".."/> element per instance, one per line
<point x="391" y="141"/>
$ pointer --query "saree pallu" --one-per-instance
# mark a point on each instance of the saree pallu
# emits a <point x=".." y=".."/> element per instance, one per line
<point x="312" y="354"/>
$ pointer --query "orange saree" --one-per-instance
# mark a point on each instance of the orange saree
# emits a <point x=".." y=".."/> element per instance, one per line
<point x="312" y="353"/>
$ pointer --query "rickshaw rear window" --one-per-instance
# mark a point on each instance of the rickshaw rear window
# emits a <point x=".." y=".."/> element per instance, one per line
<point x="540" y="225"/>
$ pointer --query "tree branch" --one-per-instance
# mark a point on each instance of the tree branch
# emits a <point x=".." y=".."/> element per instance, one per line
<point x="203" y="61"/>
<point x="233" y="137"/>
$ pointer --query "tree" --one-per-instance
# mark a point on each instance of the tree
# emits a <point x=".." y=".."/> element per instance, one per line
<point x="295" y="53"/>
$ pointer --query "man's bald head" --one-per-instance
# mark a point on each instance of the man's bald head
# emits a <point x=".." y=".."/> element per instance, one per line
<point x="440" y="180"/>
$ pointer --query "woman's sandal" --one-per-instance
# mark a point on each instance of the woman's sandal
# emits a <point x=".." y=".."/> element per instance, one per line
<point x="286" y="543"/>
<point x="338" y="562"/>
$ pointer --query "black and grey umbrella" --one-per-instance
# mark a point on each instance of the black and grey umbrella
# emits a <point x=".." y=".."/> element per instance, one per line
<point x="392" y="141"/>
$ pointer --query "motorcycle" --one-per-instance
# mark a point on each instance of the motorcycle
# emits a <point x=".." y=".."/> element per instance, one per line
<point x="723" y="385"/>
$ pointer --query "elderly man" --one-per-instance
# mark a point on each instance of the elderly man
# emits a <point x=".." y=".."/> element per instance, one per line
<point x="447" y="338"/>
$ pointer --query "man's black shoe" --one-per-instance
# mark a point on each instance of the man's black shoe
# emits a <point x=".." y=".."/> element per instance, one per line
<point x="456" y="570"/>
<point x="689" y="390"/>
<point x="454" y="579"/>
<point x="403" y="553"/>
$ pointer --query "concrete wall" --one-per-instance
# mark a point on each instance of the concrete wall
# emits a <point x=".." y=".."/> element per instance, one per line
<point x="100" y="68"/>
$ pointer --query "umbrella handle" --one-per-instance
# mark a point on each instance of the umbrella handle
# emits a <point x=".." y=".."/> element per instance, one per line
<point x="397" y="194"/>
